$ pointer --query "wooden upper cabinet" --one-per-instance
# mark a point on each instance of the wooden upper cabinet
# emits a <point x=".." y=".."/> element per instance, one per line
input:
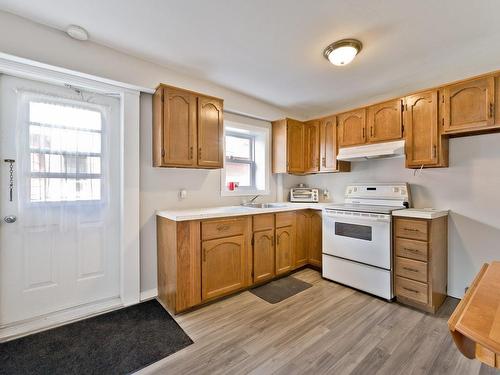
<point x="179" y="130"/>
<point x="185" y="123"/>
<point x="328" y="144"/>
<point x="352" y="128"/>
<point x="469" y="106"/>
<point x="311" y="146"/>
<point x="210" y="133"/>
<point x="385" y="122"/>
<point x="223" y="266"/>
<point x="422" y="129"/>
<point x="295" y="146"/>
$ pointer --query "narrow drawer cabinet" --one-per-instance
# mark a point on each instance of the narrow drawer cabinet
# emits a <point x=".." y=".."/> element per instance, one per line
<point x="421" y="258"/>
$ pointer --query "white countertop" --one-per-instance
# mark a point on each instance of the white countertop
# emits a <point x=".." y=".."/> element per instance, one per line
<point x="420" y="213"/>
<point x="227" y="211"/>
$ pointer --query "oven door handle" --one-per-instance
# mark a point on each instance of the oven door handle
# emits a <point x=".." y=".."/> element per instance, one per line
<point x="359" y="219"/>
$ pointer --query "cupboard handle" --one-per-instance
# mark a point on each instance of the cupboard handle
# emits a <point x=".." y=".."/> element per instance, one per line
<point x="204" y="254"/>
<point x="221" y="227"/>
<point x="410" y="269"/>
<point x="371" y="131"/>
<point x="411" y="290"/>
<point x="363" y="133"/>
<point x="411" y="250"/>
<point x="278" y="240"/>
<point x="191" y="152"/>
<point x="411" y="230"/>
<point x="199" y="153"/>
<point x="272" y="241"/>
<point x="434" y="151"/>
<point x="491" y="110"/>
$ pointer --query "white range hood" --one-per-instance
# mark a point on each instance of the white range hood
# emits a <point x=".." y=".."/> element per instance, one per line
<point x="373" y="151"/>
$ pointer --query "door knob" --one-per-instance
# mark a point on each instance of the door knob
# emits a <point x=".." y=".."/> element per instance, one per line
<point x="10" y="219"/>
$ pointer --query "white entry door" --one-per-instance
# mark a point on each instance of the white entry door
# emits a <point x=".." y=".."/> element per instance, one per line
<point x="62" y="250"/>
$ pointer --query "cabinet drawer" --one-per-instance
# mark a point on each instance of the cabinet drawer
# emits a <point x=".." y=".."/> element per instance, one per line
<point x="412" y="290"/>
<point x="222" y="228"/>
<point x="412" y="269"/>
<point x="411" y="249"/>
<point x="263" y="222"/>
<point x="285" y="219"/>
<point x="413" y="229"/>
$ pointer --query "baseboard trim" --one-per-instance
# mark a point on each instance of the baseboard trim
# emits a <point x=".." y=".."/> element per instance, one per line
<point x="56" y="319"/>
<point x="149" y="294"/>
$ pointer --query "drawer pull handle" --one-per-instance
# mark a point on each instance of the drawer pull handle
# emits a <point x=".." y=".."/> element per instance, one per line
<point x="411" y="290"/>
<point x="414" y="251"/>
<point x="411" y="230"/>
<point x="222" y="227"/>
<point x="410" y="269"/>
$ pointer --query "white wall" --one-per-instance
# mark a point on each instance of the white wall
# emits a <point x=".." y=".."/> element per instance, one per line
<point x="470" y="188"/>
<point x="160" y="190"/>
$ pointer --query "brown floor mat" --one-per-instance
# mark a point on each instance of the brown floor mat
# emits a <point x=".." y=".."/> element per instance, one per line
<point x="279" y="290"/>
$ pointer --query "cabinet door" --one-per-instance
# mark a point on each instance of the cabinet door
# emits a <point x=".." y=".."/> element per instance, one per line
<point x="469" y="105"/>
<point x="328" y="142"/>
<point x="352" y="128"/>
<point x="295" y="146"/>
<point x="315" y="239"/>
<point x="312" y="146"/>
<point x="210" y="132"/>
<point x="421" y="119"/>
<point x="385" y="121"/>
<point x="222" y="266"/>
<point x="301" y="238"/>
<point x="284" y="249"/>
<point x="263" y="255"/>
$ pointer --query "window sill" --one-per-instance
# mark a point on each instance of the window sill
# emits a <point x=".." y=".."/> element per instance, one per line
<point x="243" y="193"/>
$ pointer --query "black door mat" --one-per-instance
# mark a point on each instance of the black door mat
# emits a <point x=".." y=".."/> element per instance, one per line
<point x="118" y="342"/>
<point x="279" y="290"/>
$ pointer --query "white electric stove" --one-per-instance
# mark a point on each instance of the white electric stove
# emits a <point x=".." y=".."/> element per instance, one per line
<point x="357" y="236"/>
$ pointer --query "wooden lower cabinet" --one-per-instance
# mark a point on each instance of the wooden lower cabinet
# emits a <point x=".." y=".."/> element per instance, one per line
<point x="284" y="249"/>
<point x="302" y="238"/>
<point x="263" y="255"/>
<point x="202" y="260"/>
<point x="315" y="249"/>
<point x="223" y="266"/>
<point x="421" y="259"/>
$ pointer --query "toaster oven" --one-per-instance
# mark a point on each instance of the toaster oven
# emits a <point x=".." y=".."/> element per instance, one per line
<point x="304" y="194"/>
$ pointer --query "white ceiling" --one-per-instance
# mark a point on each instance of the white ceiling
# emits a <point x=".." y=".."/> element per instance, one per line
<point x="272" y="50"/>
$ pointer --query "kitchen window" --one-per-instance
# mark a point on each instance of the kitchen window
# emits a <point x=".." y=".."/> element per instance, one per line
<point x="246" y="167"/>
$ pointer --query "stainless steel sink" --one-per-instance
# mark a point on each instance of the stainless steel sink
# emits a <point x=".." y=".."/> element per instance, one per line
<point x="263" y="205"/>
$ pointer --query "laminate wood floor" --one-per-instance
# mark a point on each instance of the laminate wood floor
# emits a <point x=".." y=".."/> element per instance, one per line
<point x="326" y="329"/>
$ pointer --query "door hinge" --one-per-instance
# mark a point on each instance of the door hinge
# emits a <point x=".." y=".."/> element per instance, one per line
<point x="403" y="128"/>
<point x="442" y="121"/>
<point x="402" y="107"/>
<point x="162" y="97"/>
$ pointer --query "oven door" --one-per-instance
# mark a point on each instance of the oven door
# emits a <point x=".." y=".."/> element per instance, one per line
<point x="358" y="236"/>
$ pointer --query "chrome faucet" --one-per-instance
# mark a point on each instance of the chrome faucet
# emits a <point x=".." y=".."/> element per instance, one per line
<point x="253" y="199"/>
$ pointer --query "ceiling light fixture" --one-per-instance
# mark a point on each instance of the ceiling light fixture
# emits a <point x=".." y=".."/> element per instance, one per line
<point x="342" y="52"/>
<point x="77" y="32"/>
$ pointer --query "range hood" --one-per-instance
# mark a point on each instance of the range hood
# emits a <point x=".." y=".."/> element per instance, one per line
<point x="386" y="150"/>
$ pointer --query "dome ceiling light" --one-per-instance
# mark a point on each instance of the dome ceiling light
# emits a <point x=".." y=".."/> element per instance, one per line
<point x="342" y="52"/>
<point x="77" y="32"/>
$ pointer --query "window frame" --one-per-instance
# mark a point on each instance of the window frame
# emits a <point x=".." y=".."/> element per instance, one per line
<point x="261" y="134"/>
<point x="249" y="161"/>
